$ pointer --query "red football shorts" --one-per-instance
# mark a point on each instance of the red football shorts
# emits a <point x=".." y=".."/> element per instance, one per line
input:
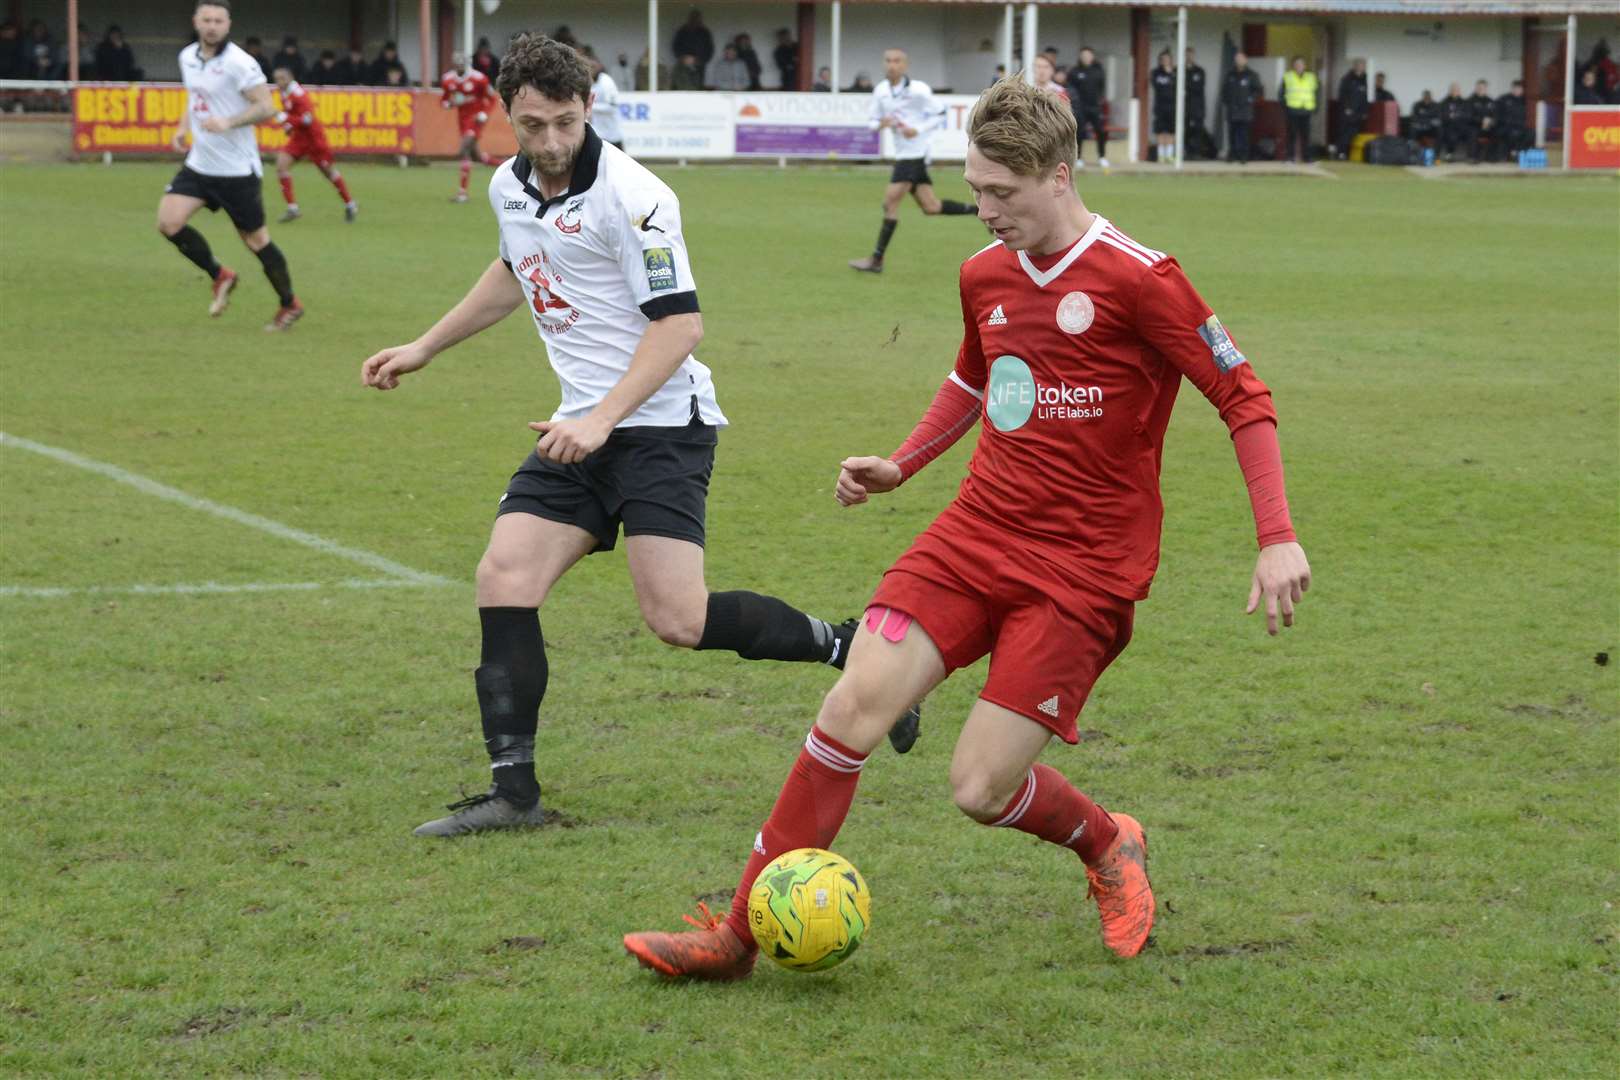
<point x="471" y="125"/>
<point x="975" y="589"/>
<point x="308" y="148"/>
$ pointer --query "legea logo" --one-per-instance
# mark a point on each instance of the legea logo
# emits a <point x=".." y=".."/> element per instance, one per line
<point x="1015" y="396"/>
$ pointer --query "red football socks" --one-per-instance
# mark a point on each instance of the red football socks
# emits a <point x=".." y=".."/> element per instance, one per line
<point x="808" y="813"/>
<point x="341" y="184"/>
<point x="286" y="190"/>
<point x="466" y="171"/>
<point x="1050" y="807"/>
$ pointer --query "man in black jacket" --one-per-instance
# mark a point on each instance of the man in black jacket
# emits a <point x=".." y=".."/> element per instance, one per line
<point x="1197" y="106"/>
<point x="1086" y="86"/>
<point x="115" y="60"/>
<point x="1512" y="124"/>
<point x="1425" y="120"/>
<point x="1352" y="105"/>
<point x="787" y="60"/>
<point x="1482" y="117"/>
<point x="1456" y="122"/>
<point x="1239" y="91"/>
<point x="388" y="58"/>
<point x="694" y="39"/>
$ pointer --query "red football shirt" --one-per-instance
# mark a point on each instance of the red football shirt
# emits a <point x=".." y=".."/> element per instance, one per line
<point x="474" y="91"/>
<point x="298" y="113"/>
<point x="1077" y="366"/>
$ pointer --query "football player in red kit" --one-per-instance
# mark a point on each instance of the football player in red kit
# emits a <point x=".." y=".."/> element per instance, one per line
<point x="468" y="91"/>
<point x="306" y="139"/>
<point x="1075" y="341"/>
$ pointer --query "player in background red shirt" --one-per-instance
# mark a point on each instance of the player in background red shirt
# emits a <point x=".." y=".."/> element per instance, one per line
<point x="468" y="91"/>
<point x="1075" y="340"/>
<point x="305" y="139"/>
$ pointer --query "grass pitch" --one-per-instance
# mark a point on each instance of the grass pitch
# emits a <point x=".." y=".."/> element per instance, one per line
<point x="1384" y="844"/>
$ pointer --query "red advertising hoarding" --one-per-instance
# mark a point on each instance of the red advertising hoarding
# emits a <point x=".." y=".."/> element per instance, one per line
<point x="1594" y="134"/>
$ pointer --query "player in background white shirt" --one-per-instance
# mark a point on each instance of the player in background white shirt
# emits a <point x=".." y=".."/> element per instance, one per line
<point x="591" y="245"/>
<point x="906" y="106"/>
<point x="226" y="95"/>
<point x="605" y="104"/>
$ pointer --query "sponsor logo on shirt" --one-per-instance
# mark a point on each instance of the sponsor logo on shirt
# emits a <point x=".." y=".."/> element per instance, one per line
<point x="1221" y="345"/>
<point x="660" y="264"/>
<point x="1013" y="396"/>
<point x="997" y="317"/>
<point x="516" y="204"/>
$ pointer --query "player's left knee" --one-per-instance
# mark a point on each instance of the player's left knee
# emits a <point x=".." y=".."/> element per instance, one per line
<point x="675" y="623"/>
<point x="976" y="796"/>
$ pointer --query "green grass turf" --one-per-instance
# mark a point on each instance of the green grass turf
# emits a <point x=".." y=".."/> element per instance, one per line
<point x="1384" y="844"/>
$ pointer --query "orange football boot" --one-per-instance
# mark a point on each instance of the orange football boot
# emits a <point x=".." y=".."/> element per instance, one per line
<point x="1119" y="881"/>
<point x="712" y="951"/>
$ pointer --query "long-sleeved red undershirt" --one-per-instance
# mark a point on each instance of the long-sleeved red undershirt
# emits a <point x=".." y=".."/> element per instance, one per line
<point x="955" y="409"/>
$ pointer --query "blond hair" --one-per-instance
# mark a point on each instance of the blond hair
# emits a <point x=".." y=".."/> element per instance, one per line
<point x="1027" y="130"/>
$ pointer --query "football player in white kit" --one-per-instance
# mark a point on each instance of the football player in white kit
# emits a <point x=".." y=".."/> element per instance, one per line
<point x="906" y="106"/>
<point x="591" y="245"/>
<point x="226" y="96"/>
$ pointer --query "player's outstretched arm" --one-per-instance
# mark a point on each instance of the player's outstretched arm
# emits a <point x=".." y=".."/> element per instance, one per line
<point x="860" y="477"/>
<point x="1281" y="576"/>
<point x="496" y="295"/>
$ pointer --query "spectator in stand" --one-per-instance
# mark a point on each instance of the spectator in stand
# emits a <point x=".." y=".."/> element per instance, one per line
<point x="861" y="85"/>
<point x="1163" y="85"/>
<point x="1086" y="86"/>
<point x="10" y="50"/>
<point x="115" y="60"/>
<point x="750" y="59"/>
<point x="566" y="36"/>
<point x="87" y="53"/>
<point x="688" y="74"/>
<point x="1046" y="78"/>
<point x="1608" y="74"/>
<point x="786" y="56"/>
<point x="1059" y="76"/>
<point x="255" y="48"/>
<point x="351" y="70"/>
<point x="1587" y="92"/>
<point x="325" y="71"/>
<point x="729" y="72"/>
<point x="395" y="76"/>
<point x="485" y="60"/>
<point x="387" y="58"/>
<point x="1380" y="93"/>
<point x="290" y="58"/>
<point x="1239" y="91"/>
<point x="1456" y="122"/>
<point x="1197" y="105"/>
<point x="1300" y="90"/>
<point x="664" y="80"/>
<point x="1001" y="73"/>
<point x="1512" y="118"/>
<point x="1352" y="105"/>
<point x="694" y="39"/>
<point x="41" y="58"/>
<point x="1425" y="122"/>
<point x="823" y="83"/>
<point x="1482" y="115"/>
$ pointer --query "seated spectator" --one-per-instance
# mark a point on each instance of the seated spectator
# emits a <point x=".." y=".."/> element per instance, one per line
<point x="664" y="82"/>
<point x="394" y="76"/>
<point x="290" y="58"/>
<point x="1456" y="122"/>
<point x="729" y="72"/>
<point x="1380" y="93"/>
<point x="325" y="71"/>
<point x="388" y="58"/>
<point x="861" y="85"/>
<point x="823" y="83"/>
<point x="1513" y="132"/>
<point x="255" y="48"/>
<point x="1425" y="120"/>
<point x="688" y="75"/>
<point x="41" y="58"/>
<point x="115" y="60"/>
<point x="1587" y="92"/>
<point x="745" y="52"/>
<point x="485" y="60"/>
<point x="351" y="70"/>
<point x="87" y="52"/>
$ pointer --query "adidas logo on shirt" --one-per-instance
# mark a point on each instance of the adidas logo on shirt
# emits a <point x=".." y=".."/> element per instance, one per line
<point x="997" y="317"/>
<point x="1050" y="705"/>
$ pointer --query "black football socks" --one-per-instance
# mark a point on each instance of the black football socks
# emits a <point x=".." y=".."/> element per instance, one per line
<point x="885" y="234"/>
<point x="275" y="268"/>
<point x="951" y="206"/>
<point x="194" y="247"/>
<point x="759" y="627"/>
<point x="511" y="680"/>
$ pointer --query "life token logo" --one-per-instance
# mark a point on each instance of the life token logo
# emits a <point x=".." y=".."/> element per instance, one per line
<point x="660" y="264"/>
<point x="569" y="220"/>
<point x="1075" y="313"/>
<point x="1014" y="396"/>
<point x="1221" y="345"/>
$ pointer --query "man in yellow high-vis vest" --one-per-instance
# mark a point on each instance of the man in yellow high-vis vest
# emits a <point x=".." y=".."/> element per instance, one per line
<point x="1299" y="94"/>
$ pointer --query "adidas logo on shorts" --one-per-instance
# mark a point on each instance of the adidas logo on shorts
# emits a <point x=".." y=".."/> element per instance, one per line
<point x="997" y="317"/>
<point x="1050" y="705"/>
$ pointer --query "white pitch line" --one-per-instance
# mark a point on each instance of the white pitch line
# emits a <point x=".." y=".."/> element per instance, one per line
<point x="229" y="513"/>
<point x="207" y="588"/>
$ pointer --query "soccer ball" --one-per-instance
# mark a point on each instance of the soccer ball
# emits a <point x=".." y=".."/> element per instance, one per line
<point x="808" y="910"/>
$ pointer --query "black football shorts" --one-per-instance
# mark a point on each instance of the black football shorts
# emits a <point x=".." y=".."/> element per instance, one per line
<point x="911" y="171"/>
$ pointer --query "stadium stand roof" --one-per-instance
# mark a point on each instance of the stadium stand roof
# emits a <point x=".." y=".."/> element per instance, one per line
<point x="1428" y="8"/>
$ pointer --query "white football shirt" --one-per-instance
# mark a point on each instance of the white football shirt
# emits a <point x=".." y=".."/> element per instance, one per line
<point x="912" y="104"/>
<point x="605" y="111"/>
<point x="218" y="87"/>
<point x="597" y="264"/>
